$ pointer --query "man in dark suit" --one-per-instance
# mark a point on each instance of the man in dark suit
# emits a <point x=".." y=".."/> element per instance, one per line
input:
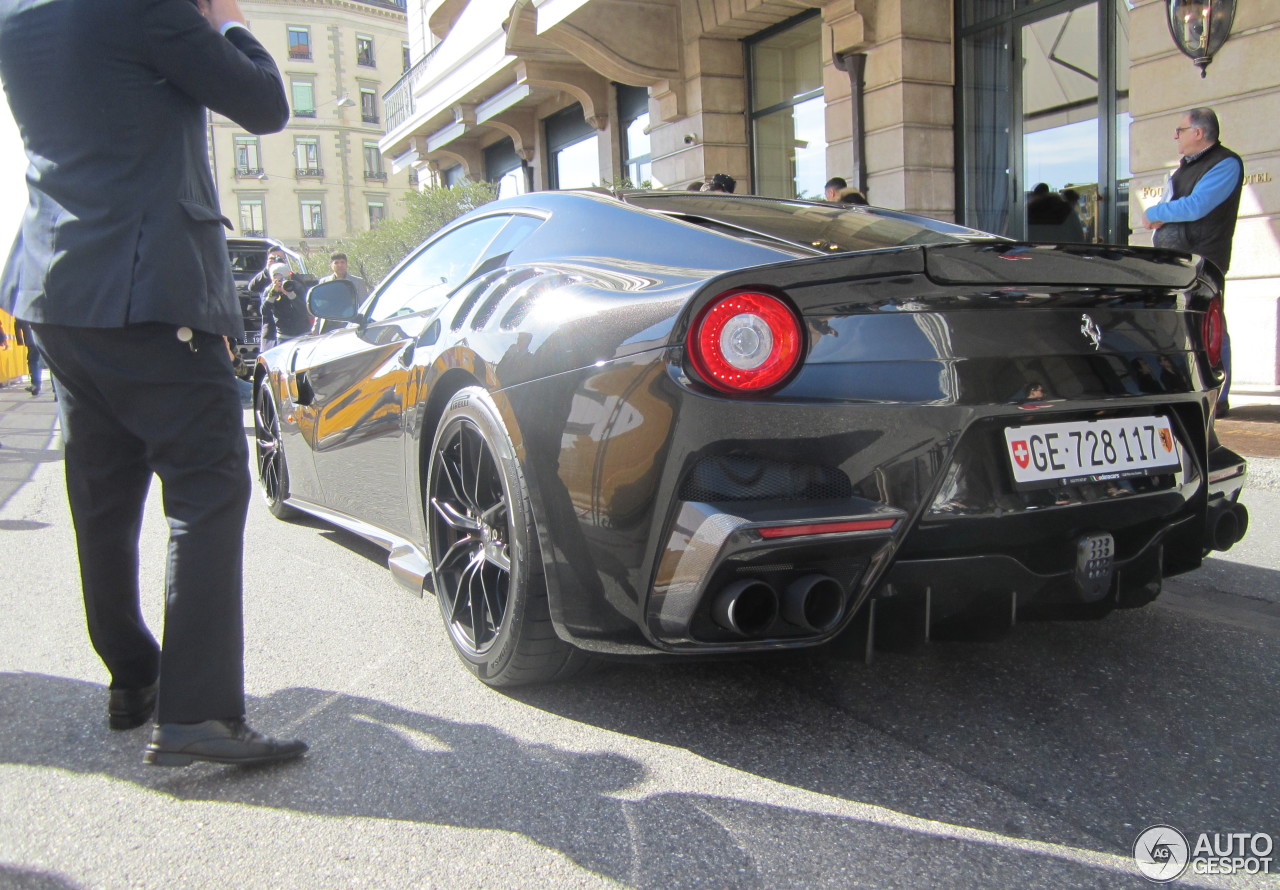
<point x="121" y="268"/>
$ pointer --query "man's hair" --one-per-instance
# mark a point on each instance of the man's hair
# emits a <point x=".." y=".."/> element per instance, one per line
<point x="337" y="256"/>
<point x="836" y="182"/>
<point x="723" y="182"/>
<point x="1205" y="119"/>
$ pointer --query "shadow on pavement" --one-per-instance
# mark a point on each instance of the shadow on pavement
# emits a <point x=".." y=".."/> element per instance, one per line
<point x="371" y="760"/>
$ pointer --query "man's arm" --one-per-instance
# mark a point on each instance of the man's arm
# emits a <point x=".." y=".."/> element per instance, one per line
<point x="1213" y="188"/>
<point x="232" y="75"/>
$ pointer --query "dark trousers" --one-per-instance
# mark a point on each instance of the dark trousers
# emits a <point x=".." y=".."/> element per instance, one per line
<point x="33" y="366"/>
<point x="137" y="401"/>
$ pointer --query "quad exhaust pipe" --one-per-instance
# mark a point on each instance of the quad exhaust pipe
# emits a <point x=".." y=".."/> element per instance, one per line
<point x="1226" y="525"/>
<point x="814" y="602"/>
<point x="748" y="607"/>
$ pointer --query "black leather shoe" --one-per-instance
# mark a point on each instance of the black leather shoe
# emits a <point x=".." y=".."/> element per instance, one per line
<point x="217" y="741"/>
<point x="130" y="708"/>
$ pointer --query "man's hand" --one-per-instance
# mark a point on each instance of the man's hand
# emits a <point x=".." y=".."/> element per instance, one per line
<point x="1149" y="223"/>
<point x="219" y="12"/>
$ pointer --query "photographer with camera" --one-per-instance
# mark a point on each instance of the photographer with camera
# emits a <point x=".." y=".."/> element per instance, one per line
<point x="284" y="309"/>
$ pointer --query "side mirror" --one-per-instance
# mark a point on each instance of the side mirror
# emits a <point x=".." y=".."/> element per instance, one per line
<point x="335" y="300"/>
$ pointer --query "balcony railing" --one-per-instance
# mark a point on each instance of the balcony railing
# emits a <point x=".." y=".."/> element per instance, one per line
<point x="300" y="52"/>
<point x="375" y="176"/>
<point x="369" y="117"/>
<point x="313" y="233"/>
<point x="248" y="172"/>
<point x="254" y="233"/>
<point x="304" y="112"/>
<point x="399" y="99"/>
<point x="310" y="173"/>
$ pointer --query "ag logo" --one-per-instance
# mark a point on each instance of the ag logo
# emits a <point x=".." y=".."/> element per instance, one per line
<point x="1162" y="853"/>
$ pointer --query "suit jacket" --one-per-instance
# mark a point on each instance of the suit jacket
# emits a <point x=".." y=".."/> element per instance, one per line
<point x="123" y="225"/>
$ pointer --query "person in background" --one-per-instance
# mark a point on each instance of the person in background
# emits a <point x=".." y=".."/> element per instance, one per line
<point x="721" y="182"/>
<point x="1197" y="212"/>
<point x="22" y="336"/>
<point x="260" y="281"/>
<point x="338" y="266"/>
<point x="284" y="309"/>
<point x="837" y="191"/>
<point x="121" y="268"/>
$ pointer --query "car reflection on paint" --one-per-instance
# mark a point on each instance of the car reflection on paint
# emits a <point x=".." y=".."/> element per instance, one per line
<point x="661" y="422"/>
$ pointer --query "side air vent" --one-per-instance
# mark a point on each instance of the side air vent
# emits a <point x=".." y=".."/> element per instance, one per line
<point x="735" y="477"/>
<point x="528" y="297"/>
<point x="477" y="290"/>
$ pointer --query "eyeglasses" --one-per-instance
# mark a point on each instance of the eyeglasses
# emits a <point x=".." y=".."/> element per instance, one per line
<point x="1177" y="131"/>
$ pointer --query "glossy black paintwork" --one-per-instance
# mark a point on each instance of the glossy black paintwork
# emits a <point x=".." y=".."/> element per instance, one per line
<point x="913" y="356"/>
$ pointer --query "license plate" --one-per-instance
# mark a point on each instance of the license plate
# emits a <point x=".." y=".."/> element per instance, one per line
<point x="1091" y="450"/>
<point x="252" y="339"/>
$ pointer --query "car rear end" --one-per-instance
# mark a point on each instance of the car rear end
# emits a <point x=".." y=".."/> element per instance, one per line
<point x="956" y="429"/>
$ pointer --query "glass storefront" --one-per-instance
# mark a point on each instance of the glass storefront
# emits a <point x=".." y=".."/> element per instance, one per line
<point x="1045" y="119"/>
<point x="788" y="110"/>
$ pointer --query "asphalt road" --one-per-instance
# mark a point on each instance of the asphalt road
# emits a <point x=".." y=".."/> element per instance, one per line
<point x="1025" y="762"/>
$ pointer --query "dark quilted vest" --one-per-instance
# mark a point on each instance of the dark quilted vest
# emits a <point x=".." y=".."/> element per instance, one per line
<point x="1209" y="236"/>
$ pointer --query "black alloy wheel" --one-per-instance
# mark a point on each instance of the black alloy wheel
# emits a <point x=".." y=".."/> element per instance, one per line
<point x="273" y="472"/>
<point x="486" y="567"/>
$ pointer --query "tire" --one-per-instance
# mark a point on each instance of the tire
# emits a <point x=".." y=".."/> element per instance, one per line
<point x="273" y="471"/>
<point x="486" y="567"/>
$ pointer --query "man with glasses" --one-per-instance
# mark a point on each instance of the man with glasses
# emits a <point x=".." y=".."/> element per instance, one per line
<point x="1197" y="212"/>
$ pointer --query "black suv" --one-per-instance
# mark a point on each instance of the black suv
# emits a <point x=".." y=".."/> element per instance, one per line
<point x="248" y="258"/>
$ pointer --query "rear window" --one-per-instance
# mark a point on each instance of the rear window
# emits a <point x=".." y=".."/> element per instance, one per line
<point x="815" y="228"/>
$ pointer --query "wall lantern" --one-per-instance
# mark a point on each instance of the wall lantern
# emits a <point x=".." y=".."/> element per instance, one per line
<point x="1200" y="27"/>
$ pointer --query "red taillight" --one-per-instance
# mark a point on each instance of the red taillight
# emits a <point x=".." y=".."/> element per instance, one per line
<point x="1212" y="329"/>
<point x="745" y="342"/>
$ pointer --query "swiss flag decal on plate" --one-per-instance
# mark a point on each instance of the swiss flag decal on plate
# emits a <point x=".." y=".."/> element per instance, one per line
<point x="1021" y="454"/>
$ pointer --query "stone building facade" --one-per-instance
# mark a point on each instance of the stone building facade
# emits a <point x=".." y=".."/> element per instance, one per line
<point x="951" y="108"/>
<point x="323" y="177"/>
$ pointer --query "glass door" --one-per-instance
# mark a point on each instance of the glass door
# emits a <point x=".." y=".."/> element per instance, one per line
<point x="1059" y="125"/>
<point x="1045" y="148"/>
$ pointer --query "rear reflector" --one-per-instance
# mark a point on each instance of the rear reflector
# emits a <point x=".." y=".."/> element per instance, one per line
<point x="826" y="528"/>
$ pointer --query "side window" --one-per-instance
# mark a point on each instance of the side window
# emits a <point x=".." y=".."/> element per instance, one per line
<point x="437" y="270"/>
<point x="515" y="231"/>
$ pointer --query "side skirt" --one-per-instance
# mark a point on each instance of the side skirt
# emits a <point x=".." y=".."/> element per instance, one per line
<point x="407" y="561"/>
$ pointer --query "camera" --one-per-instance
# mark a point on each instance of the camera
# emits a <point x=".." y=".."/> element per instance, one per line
<point x="289" y="286"/>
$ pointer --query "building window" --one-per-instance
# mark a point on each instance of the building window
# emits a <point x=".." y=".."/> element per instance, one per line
<point x="574" y="147"/>
<point x="373" y="162"/>
<point x="306" y="151"/>
<point x="299" y="42"/>
<point x="312" y="218"/>
<point x="501" y="166"/>
<point x="368" y="105"/>
<point x="637" y="159"/>
<point x="253" y="219"/>
<point x="364" y="51"/>
<point x="377" y="213"/>
<point x="452" y="176"/>
<point x="248" y="159"/>
<point x="404" y="52"/>
<point x="304" y="98"/>
<point x="788" y="111"/>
